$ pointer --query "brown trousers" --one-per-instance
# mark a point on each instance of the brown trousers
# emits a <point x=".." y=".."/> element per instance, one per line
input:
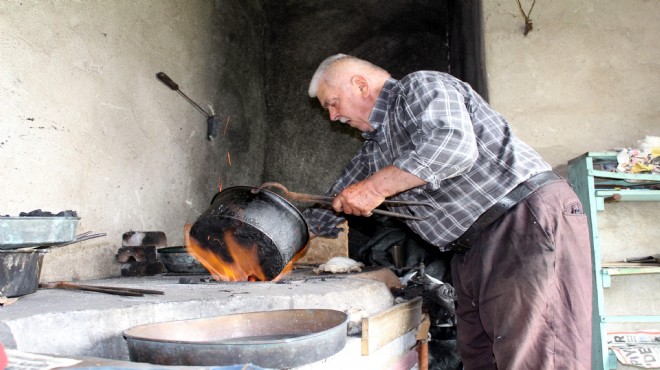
<point x="525" y="290"/>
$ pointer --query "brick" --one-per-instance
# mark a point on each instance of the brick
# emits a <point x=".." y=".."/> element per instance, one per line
<point x="137" y="254"/>
<point x="144" y="238"/>
<point x="321" y="249"/>
<point x="142" y="268"/>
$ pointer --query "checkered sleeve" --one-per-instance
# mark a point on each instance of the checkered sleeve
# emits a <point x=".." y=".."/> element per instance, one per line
<point x="440" y="128"/>
<point x="323" y="220"/>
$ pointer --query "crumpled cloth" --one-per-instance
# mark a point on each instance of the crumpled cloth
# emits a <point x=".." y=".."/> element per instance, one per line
<point x="337" y="265"/>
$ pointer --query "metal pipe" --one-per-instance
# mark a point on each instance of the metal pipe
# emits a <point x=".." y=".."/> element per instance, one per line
<point x="423" y="351"/>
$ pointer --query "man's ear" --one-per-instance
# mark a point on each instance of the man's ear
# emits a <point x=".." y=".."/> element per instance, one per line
<point x="362" y="84"/>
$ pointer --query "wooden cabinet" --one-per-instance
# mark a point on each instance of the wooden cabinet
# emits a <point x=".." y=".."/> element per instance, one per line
<point x="599" y="189"/>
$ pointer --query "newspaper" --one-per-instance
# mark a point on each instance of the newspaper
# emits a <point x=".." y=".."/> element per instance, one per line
<point x="18" y="360"/>
<point x="636" y="348"/>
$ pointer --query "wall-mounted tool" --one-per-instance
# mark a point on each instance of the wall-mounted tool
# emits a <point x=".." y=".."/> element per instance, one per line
<point x="212" y="121"/>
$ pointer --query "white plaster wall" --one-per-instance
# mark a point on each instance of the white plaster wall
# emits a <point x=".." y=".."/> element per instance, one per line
<point x="586" y="78"/>
<point x="85" y="125"/>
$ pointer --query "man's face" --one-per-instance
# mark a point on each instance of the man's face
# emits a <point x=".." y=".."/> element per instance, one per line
<point x="346" y="104"/>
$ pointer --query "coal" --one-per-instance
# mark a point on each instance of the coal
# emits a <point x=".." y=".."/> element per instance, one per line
<point x="40" y="213"/>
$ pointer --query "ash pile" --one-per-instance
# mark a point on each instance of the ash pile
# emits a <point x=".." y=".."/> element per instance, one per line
<point x="424" y="272"/>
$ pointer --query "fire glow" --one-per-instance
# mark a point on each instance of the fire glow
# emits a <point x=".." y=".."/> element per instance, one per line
<point x="244" y="264"/>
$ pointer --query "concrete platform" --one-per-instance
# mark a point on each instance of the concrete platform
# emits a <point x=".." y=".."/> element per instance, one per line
<point x="79" y="324"/>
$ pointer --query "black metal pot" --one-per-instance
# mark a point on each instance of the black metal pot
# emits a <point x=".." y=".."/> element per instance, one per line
<point x="19" y="271"/>
<point x="260" y="218"/>
<point x="178" y="260"/>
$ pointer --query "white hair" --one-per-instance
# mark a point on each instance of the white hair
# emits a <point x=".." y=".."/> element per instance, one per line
<point x="321" y="71"/>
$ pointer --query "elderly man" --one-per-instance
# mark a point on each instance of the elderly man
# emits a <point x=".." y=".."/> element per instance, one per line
<point x="522" y="263"/>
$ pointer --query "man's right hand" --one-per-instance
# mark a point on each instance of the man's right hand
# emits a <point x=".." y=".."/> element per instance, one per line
<point x="358" y="199"/>
<point x="362" y="197"/>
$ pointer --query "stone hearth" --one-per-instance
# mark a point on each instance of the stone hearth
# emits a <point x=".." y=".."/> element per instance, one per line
<point x="79" y="324"/>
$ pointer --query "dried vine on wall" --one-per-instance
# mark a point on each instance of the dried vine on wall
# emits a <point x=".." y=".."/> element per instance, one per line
<point x="528" y="22"/>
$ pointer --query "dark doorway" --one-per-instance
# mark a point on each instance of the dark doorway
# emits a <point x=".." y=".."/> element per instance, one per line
<point x="305" y="150"/>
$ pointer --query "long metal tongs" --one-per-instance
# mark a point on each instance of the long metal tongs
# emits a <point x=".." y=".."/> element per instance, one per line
<point x="131" y="292"/>
<point x="326" y="199"/>
<point x="81" y="237"/>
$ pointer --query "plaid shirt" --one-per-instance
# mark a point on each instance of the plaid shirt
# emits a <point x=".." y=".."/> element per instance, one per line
<point x="437" y="128"/>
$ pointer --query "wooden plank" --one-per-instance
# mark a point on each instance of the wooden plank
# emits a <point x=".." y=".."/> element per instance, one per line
<point x="383" y="327"/>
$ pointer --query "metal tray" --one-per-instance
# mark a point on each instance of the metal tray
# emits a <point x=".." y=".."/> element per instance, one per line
<point x="20" y="232"/>
<point x="273" y="339"/>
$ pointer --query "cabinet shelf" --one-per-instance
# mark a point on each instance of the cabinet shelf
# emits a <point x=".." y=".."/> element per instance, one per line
<point x="631" y="195"/>
<point x="625" y="318"/>
<point x="612" y="271"/>
<point x="624" y="195"/>
<point x="597" y="187"/>
<point x="624" y="176"/>
<point x="607" y="272"/>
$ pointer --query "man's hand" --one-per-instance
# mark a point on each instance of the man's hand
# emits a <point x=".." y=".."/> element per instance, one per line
<point x="358" y="199"/>
<point x="362" y="197"/>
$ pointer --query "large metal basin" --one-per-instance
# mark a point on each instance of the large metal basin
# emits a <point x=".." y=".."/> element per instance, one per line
<point x="271" y="339"/>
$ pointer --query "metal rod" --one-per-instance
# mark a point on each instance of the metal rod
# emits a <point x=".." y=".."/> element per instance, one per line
<point x="311" y="197"/>
<point x="97" y="289"/>
<point x="324" y="199"/>
<point x="173" y="85"/>
<point x="423" y="353"/>
<point x="132" y="292"/>
<point x="63" y="285"/>
<point x="124" y="289"/>
<point x="194" y="104"/>
<point x="381" y="212"/>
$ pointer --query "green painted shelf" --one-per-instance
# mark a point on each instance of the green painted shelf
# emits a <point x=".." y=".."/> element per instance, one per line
<point x="596" y="188"/>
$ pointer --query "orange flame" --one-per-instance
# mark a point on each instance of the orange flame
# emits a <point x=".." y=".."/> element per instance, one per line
<point x="246" y="265"/>
<point x="289" y="266"/>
